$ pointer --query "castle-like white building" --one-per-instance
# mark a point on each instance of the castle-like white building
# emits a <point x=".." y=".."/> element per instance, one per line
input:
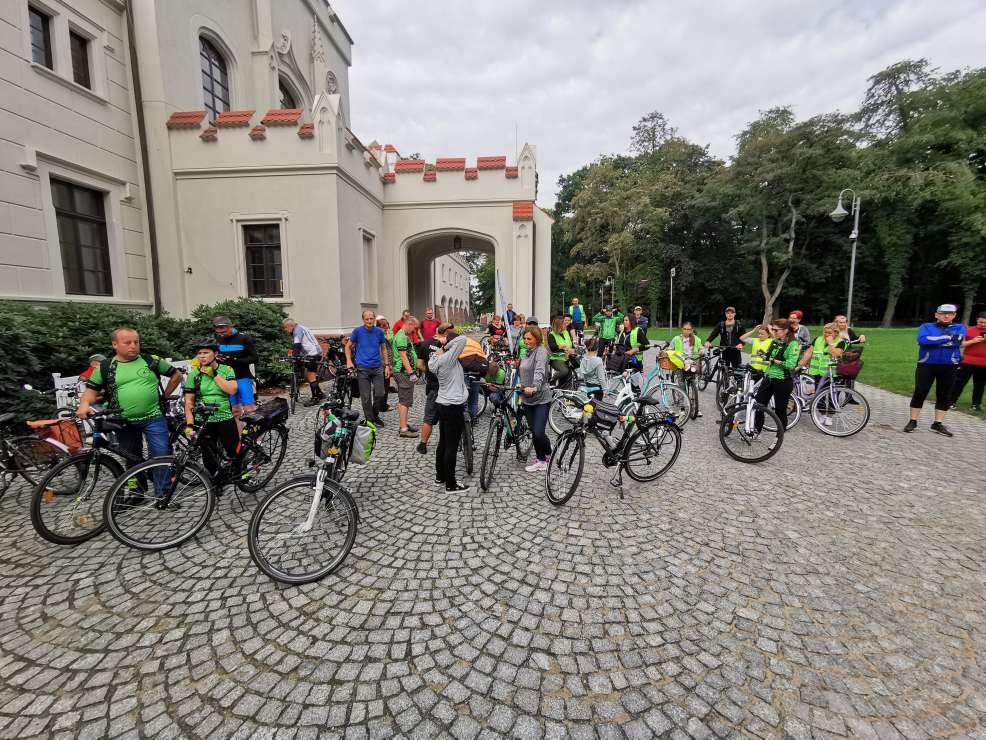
<point x="168" y="154"/>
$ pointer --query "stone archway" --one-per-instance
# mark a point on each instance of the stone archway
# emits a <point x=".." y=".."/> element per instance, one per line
<point x="418" y="285"/>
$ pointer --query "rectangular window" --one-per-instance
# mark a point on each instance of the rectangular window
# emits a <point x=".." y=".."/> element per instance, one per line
<point x="82" y="236"/>
<point x="80" y="59"/>
<point x="40" y="38"/>
<point x="369" y="270"/>
<point x="263" y="260"/>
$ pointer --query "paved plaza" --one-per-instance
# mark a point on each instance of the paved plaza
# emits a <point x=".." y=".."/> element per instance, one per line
<point x="837" y="590"/>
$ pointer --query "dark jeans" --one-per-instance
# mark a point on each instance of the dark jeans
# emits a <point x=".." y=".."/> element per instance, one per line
<point x="561" y="373"/>
<point x="473" y="400"/>
<point x="372" y="391"/>
<point x="731" y="356"/>
<point x="537" y="418"/>
<point x="602" y="346"/>
<point x="978" y="375"/>
<point x="224" y="433"/>
<point x="780" y="391"/>
<point x="451" y="420"/>
<point x="155" y="431"/>
<point x="927" y="375"/>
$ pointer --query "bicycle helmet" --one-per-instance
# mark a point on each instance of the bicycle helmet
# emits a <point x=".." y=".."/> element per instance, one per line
<point x="206" y="343"/>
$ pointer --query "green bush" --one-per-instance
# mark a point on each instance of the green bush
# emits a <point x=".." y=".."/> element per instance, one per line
<point x="36" y="341"/>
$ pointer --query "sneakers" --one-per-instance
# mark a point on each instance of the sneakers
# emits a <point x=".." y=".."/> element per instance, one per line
<point x="939" y="428"/>
<point x="461" y="488"/>
<point x="538" y="466"/>
<point x="379" y="422"/>
<point x="412" y="429"/>
<point x="408" y="433"/>
<point x="977" y="407"/>
<point x="439" y="482"/>
<point x="422" y="448"/>
<point x="910" y="426"/>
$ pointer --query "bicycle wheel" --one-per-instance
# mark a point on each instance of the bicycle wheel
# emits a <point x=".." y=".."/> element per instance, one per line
<point x="491" y="452"/>
<point x="740" y="439"/>
<point x="523" y="439"/>
<point x="134" y="509"/>
<point x="672" y="399"/>
<point x="692" y="385"/>
<point x="794" y="409"/>
<point x="652" y="451"/>
<point x="344" y="390"/>
<point x="67" y="504"/>
<point x="295" y="392"/>
<point x="262" y="458"/>
<point x="708" y="369"/>
<point x="839" y="411"/>
<point x="726" y="388"/>
<point x="565" y="467"/>
<point x="466" y="444"/>
<point x="293" y="544"/>
<point x="33" y="457"/>
<point x="564" y="411"/>
<point x="481" y="403"/>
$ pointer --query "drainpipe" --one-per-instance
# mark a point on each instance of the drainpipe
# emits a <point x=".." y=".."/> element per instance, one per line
<point x="144" y="160"/>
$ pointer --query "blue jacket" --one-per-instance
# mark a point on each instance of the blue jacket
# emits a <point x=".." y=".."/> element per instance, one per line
<point x="940" y="346"/>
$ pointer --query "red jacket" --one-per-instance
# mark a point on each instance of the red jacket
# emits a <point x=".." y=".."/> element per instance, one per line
<point x="974" y="354"/>
<point x="428" y="328"/>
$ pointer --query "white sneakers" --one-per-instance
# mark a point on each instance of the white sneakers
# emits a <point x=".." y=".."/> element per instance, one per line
<point x="538" y="466"/>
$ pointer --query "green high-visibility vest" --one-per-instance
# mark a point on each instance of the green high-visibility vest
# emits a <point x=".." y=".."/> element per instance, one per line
<point x="678" y="346"/>
<point x="571" y="312"/>
<point x="607" y="327"/>
<point x="564" y="342"/>
<point x="759" y="345"/>
<point x="820" y="358"/>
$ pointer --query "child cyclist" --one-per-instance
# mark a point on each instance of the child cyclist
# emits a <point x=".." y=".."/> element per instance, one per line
<point x="592" y="372"/>
<point x="212" y="383"/>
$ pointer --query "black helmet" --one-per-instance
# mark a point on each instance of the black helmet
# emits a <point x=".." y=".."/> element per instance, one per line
<point x="206" y="343"/>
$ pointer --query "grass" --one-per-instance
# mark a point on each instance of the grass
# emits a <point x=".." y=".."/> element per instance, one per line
<point x="888" y="360"/>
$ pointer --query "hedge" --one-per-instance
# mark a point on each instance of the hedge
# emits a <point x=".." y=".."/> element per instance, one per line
<point x="36" y="341"/>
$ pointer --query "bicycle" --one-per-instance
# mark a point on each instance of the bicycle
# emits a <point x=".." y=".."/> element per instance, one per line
<point x="334" y="434"/>
<point x="136" y="514"/>
<point x="836" y="409"/>
<point x="508" y="427"/>
<point x="28" y="456"/>
<point x="302" y="514"/>
<point x="299" y="365"/>
<point x="747" y="386"/>
<point x="645" y="439"/>
<point x="467" y="442"/>
<point x="343" y="390"/>
<point x="738" y="433"/>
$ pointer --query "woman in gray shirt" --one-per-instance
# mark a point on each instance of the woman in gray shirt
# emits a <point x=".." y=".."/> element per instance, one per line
<point x="451" y="405"/>
<point x="536" y="396"/>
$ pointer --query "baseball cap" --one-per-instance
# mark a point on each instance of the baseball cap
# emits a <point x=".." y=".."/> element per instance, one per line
<point x="97" y="358"/>
<point x="729" y="308"/>
<point x="638" y="308"/>
<point x="532" y="320"/>
<point x="947" y="308"/>
<point x="608" y="308"/>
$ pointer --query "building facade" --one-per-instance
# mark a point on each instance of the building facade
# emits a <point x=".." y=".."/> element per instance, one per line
<point x="451" y="278"/>
<point x="209" y="153"/>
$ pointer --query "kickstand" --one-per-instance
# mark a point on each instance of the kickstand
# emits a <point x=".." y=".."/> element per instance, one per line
<point x="617" y="481"/>
<point x="239" y="500"/>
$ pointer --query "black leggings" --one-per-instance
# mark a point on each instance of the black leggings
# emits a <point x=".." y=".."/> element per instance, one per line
<point x="780" y="390"/>
<point x="227" y="434"/>
<point x="561" y="372"/>
<point x="450" y="423"/>
<point x="537" y="418"/>
<point x="978" y="375"/>
<point x="731" y="356"/>
<point x="927" y="375"/>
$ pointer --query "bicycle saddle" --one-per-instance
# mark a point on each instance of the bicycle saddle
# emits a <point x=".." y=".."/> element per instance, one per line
<point x="349" y="415"/>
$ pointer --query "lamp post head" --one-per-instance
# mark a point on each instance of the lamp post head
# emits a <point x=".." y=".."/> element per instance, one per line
<point x="840" y="213"/>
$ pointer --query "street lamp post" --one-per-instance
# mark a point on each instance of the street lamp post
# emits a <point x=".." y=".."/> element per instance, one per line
<point x="838" y="215"/>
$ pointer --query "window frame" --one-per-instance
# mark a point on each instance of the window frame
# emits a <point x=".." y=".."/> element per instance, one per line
<point x="369" y="268"/>
<point x="73" y="36"/>
<point x="284" y="86"/>
<point x="76" y="218"/>
<point x="266" y="248"/>
<point x="207" y="43"/>
<point x="47" y="18"/>
<point x="237" y="252"/>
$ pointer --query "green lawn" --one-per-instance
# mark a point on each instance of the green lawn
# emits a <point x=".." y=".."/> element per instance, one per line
<point x="888" y="360"/>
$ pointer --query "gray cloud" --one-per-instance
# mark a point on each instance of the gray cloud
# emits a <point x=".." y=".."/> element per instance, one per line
<point x="452" y="78"/>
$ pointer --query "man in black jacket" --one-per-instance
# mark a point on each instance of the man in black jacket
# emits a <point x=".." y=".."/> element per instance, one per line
<point x="729" y="332"/>
<point x="236" y="350"/>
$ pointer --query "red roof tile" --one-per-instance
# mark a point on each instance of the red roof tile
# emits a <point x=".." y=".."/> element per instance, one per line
<point x="510" y="172"/>
<point x="523" y="210"/>
<point x="409" y="165"/>
<point x="307" y="131"/>
<point x="390" y="148"/>
<point x="445" y="164"/>
<point x="374" y="147"/>
<point x="234" y="118"/>
<point x="186" y="119"/>
<point x="258" y="133"/>
<point x="491" y="163"/>
<point x="389" y="177"/>
<point x="282" y="116"/>
<point x="472" y="173"/>
<point x="209" y="134"/>
<point x="430" y="176"/>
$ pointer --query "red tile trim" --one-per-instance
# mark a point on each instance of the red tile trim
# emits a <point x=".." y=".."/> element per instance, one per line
<point x="258" y="133"/>
<point x="234" y="118"/>
<point x="524" y="210"/>
<point x="282" y="117"/>
<point x="409" y="165"/>
<point x="307" y="131"/>
<point x="447" y="164"/>
<point x="491" y="163"/>
<point x="186" y="119"/>
<point x="209" y="134"/>
<point x="472" y="173"/>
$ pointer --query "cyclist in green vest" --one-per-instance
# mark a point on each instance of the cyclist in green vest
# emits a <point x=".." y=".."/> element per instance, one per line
<point x="405" y="372"/>
<point x="531" y="323"/>
<point x="608" y="322"/>
<point x="824" y="350"/>
<point x="560" y="350"/>
<point x="759" y="346"/>
<point x="686" y="348"/>
<point x="212" y="383"/>
<point x="632" y="341"/>
<point x="577" y="314"/>
<point x="782" y="359"/>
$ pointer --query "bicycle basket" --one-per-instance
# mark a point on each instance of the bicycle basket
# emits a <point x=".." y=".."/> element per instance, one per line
<point x="848" y="368"/>
<point x="267" y="416"/>
<point x="605" y="415"/>
<point x="65" y="432"/>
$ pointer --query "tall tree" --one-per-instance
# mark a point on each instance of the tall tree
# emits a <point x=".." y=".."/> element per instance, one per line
<point x="650" y="132"/>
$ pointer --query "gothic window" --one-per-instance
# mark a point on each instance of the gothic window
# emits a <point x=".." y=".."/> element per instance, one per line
<point x="288" y="99"/>
<point x="215" y="79"/>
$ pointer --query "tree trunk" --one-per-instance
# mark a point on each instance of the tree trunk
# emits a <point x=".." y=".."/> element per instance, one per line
<point x="888" y="313"/>
<point x="969" y="295"/>
<point x="770" y="297"/>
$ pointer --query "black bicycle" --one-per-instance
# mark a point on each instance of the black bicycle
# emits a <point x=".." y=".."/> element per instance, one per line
<point x="174" y="496"/>
<point x="647" y="449"/>
<point x="508" y="428"/>
<point x="324" y="367"/>
<point x="25" y="455"/>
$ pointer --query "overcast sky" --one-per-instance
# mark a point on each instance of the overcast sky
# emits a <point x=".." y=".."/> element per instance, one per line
<point x="452" y="78"/>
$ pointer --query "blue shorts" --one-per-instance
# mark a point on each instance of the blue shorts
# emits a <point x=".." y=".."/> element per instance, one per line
<point x="244" y="393"/>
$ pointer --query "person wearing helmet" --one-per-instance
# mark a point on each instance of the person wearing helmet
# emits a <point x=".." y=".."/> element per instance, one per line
<point x="212" y="383"/>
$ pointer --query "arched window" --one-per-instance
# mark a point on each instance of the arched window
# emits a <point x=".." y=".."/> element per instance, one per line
<point x="288" y="98"/>
<point x="215" y="79"/>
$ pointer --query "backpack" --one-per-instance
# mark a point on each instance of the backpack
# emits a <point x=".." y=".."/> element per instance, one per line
<point x="267" y="416"/>
<point x="364" y="439"/>
<point x="107" y="371"/>
<point x="473" y="359"/>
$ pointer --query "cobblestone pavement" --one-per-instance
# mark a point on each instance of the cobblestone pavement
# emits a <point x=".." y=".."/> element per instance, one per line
<point x="837" y="590"/>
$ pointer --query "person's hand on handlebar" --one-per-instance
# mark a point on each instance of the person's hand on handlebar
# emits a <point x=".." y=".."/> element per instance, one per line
<point x="83" y="411"/>
<point x="529" y="391"/>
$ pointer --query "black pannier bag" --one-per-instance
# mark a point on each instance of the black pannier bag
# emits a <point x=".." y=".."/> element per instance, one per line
<point x="269" y="415"/>
<point x="616" y="362"/>
<point x="605" y="415"/>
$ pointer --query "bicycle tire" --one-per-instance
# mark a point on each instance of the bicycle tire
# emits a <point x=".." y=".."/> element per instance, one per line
<point x="465" y="444"/>
<point x="34" y="457"/>
<point x="294" y="391"/>
<point x="491" y="453"/>
<point x="561" y="413"/>
<point x="346" y="515"/>
<point x="275" y="453"/>
<point x="692" y="385"/>
<point x="794" y="409"/>
<point x="860" y="405"/>
<point x="481" y="404"/>
<point x="78" y="508"/>
<point x="725" y="389"/>
<point x="6" y="478"/>
<point x="569" y="452"/>
<point x="671" y="398"/>
<point x="523" y="439"/>
<point x="708" y="369"/>
<point x="658" y="435"/>
<point x="122" y="502"/>
<point x="345" y="393"/>
<point x="730" y="426"/>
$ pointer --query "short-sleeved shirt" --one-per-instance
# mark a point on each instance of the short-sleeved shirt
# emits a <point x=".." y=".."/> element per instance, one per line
<point x="401" y="342"/>
<point x="309" y="345"/>
<point x="210" y="392"/>
<point x="367" y="343"/>
<point x="137" y="387"/>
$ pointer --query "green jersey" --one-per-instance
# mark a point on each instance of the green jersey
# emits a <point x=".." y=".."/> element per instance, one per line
<point x="789" y="353"/>
<point x="138" y="390"/>
<point x="607" y="324"/>
<point x="401" y="342"/>
<point x="210" y="392"/>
